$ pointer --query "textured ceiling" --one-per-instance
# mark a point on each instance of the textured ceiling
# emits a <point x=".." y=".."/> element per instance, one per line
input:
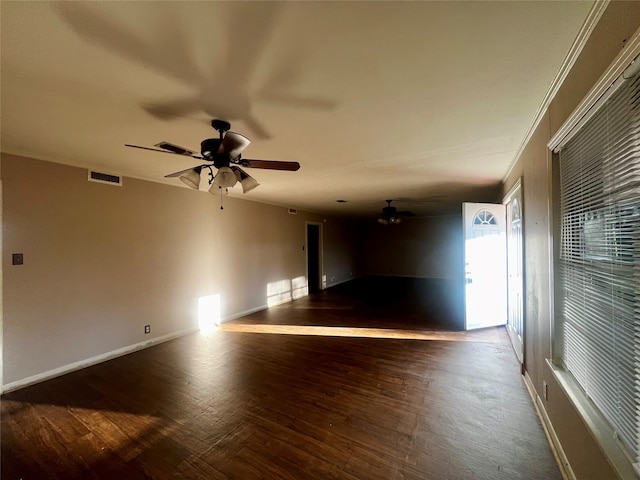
<point x="425" y="102"/>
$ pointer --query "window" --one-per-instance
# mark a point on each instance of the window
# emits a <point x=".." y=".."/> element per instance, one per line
<point x="484" y="217"/>
<point x="598" y="280"/>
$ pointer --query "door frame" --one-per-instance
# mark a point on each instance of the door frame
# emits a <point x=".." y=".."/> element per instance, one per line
<point x="1" y="296"/>
<point x="517" y="338"/>
<point x="321" y="282"/>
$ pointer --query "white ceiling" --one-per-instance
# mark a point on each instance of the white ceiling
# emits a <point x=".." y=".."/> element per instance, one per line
<point x="376" y="100"/>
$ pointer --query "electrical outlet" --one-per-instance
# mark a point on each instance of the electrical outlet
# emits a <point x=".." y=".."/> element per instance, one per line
<point x="147" y="329"/>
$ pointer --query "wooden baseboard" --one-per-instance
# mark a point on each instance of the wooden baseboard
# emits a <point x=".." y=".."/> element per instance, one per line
<point x="71" y="367"/>
<point x="552" y="438"/>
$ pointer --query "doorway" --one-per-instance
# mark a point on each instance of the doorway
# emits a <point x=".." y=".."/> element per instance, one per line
<point x="314" y="257"/>
<point x="485" y="265"/>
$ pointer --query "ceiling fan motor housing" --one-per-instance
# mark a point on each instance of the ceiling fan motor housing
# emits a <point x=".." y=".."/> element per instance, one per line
<point x="209" y="147"/>
<point x="220" y="125"/>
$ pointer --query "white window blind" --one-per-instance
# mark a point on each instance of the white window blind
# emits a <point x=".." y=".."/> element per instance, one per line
<point x="599" y="264"/>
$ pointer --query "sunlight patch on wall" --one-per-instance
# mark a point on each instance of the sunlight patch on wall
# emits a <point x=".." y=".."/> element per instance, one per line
<point x="208" y="313"/>
<point x="279" y="292"/>
<point x="299" y="287"/>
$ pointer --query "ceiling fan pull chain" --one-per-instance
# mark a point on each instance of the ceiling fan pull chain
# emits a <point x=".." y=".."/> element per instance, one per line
<point x="221" y="197"/>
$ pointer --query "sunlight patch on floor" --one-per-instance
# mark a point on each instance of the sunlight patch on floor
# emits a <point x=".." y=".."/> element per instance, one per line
<point x="312" y="307"/>
<point x="136" y="422"/>
<point x="490" y="335"/>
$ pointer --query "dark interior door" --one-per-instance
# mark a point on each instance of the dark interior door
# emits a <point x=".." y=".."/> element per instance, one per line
<point x="313" y="257"/>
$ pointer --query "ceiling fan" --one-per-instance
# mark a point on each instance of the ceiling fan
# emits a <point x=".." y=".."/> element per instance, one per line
<point x="225" y="154"/>
<point x="170" y="49"/>
<point x="390" y="216"/>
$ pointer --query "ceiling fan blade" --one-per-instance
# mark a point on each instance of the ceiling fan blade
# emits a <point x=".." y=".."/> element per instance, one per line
<point x="260" y="19"/>
<point x="270" y="164"/>
<point x="233" y="144"/>
<point x="276" y="95"/>
<point x="177" y="174"/>
<point x="256" y="127"/>
<point x="406" y="214"/>
<point x="172" y="58"/>
<point x="170" y="147"/>
<point x="166" y="151"/>
<point x="172" y="109"/>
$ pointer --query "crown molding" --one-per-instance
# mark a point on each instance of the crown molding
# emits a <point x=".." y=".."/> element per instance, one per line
<point x="592" y="19"/>
<point x="601" y="91"/>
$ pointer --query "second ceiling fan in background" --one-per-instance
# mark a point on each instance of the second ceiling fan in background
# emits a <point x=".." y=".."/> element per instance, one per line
<point x="390" y="215"/>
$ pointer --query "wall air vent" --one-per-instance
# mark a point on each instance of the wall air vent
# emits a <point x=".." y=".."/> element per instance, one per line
<point x="293" y="211"/>
<point x="105" y="178"/>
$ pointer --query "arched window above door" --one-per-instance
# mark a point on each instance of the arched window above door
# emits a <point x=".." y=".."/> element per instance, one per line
<point x="484" y="217"/>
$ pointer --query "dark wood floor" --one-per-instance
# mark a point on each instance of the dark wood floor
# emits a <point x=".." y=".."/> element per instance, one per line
<point x="247" y="403"/>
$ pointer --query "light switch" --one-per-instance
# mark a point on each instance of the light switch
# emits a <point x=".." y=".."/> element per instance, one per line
<point x="18" y="258"/>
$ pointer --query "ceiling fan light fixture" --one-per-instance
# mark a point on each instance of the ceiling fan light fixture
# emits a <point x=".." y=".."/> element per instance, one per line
<point x="218" y="190"/>
<point x="248" y="184"/>
<point x="192" y="177"/>
<point x="247" y="181"/>
<point x="390" y="220"/>
<point x="225" y="178"/>
<point x="224" y="153"/>
<point x="390" y="216"/>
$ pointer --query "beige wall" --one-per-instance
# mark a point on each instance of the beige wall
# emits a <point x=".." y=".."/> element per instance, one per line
<point x="101" y="261"/>
<point x="532" y="168"/>
<point x="345" y="262"/>
<point x="619" y="22"/>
